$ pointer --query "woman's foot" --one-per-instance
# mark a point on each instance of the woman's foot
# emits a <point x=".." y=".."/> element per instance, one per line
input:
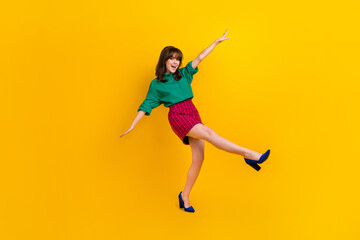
<point x="186" y="200"/>
<point x="252" y="155"/>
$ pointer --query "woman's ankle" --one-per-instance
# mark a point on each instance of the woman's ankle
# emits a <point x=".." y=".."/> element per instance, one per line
<point x="252" y="155"/>
<point x="185" y="195"/>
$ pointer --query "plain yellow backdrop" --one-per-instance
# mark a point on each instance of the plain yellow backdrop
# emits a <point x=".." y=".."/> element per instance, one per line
<point x="73" y="75"/>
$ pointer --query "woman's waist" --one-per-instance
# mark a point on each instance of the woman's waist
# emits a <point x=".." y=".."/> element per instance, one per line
<point x="180" y="103"/>
<point x="184" y="106"/>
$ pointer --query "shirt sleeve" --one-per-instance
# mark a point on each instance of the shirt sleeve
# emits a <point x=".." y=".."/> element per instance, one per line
<point x="152" y="101"/>
<point x="188" y="71"/>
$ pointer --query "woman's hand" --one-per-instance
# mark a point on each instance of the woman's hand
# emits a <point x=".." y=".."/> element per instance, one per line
<point x="219" y="40"/>
<point x="131" y="128"/>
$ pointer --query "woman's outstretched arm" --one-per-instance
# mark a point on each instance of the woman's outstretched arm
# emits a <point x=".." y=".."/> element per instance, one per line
<point x="206" y="52"/>
<point x="139" y="115"/>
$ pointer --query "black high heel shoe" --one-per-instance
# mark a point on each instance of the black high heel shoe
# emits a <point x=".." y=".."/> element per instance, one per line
<point x="254" y="163"/>
<point x="182" y="205"/>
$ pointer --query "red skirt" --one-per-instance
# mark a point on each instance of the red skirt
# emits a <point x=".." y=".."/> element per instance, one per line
<point x="182" y="117"/>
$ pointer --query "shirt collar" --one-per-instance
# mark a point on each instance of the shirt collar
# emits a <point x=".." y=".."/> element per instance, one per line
<point x="168" y="74"/>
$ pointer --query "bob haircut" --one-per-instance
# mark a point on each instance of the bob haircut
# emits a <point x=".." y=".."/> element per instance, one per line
<point x="167" y="53"/>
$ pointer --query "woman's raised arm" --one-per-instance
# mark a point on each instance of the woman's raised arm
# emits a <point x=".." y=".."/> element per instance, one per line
<point x="206" y="52"/>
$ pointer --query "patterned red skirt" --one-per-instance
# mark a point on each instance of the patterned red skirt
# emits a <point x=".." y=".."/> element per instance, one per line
<point x="182" y="117"/>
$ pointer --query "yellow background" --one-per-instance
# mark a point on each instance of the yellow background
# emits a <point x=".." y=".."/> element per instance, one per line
<point x="73" y="75"/>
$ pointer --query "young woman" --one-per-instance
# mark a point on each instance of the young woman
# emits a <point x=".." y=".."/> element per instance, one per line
<point x="172" y="87"/>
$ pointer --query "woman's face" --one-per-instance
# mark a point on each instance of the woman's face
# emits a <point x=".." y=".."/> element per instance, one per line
<point x="172" y="64"/>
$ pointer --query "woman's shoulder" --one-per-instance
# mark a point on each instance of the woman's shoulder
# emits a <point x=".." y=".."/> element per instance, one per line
<point x="154" y="83"/>
<point x="186" y="67"/>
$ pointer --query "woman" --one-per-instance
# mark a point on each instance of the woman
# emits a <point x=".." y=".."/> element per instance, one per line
<point x="172" y="87"/>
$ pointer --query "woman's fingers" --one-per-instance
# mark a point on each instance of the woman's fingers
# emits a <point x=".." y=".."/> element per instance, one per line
<point x="127" y="132"/>
<point x="222" y="39"/>
<point x="224" y="36"/>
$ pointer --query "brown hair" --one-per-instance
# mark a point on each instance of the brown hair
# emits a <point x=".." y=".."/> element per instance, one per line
<point x="165" y="54"/>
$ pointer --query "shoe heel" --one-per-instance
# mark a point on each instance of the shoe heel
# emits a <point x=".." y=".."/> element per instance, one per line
<point x="255" y="166"/>
<point x="180" y="204"/>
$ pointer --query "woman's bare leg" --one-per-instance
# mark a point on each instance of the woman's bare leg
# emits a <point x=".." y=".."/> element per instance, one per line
<point x="197" y="148"/>
<point x="201" y="131"/>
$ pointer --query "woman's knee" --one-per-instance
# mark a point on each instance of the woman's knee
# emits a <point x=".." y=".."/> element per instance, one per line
<point x="198" y="159"/>
<point x="208" y="133"/>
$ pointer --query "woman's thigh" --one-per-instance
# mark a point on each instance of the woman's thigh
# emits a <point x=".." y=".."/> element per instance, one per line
<point x="197" y="148"/>
<point x="200" y="131"/>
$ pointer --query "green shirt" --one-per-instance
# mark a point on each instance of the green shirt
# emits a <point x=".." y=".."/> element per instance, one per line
<point x="170" y="92"/>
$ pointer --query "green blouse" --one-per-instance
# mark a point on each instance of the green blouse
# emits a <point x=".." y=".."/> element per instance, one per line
<point x="170" y="92"/>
